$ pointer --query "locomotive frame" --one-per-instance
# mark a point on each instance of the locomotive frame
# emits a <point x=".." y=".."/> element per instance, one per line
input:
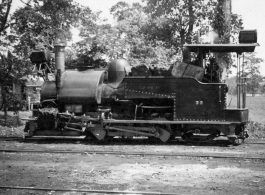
<point x="111" y="103"/>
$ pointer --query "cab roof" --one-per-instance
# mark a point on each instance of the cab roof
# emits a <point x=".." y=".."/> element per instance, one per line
<point x="238" y="48"/>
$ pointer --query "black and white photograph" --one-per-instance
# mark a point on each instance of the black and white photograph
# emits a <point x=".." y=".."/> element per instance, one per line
<point x="136" y="97"/>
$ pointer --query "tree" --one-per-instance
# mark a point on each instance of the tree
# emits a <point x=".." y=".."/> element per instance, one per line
<point x="222" y="20"/>
<point x="252" y="73"/>
<point x="176" y="20"/>
<point x="5" y="7"/>
<point x="12" y="69"/>
<point x="253" y="84"/>
<point x="132" y="23"/>
<point x="44" y="20"/>
<point x="87" y="52"/>
<point x="262" y="88"/>
<point x="39" y="21"/>
<point x="125" y="39"/>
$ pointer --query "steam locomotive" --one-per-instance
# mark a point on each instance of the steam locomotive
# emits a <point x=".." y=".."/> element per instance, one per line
<point x="117" y="102"/>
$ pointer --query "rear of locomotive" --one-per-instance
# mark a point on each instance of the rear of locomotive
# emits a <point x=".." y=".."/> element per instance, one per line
<point x="113" y="102"/>
<point x="222" y="119"/>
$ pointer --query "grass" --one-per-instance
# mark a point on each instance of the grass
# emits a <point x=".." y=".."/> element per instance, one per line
<point x="256" y="106"/>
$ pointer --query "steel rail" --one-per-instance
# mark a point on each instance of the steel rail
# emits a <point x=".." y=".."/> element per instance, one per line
<point x="43" y="138"/>
<point x="83" y="190"/>
<point x="82" y="138"/>
<point x="219" y="155"/>
<point x="11" y="138"/>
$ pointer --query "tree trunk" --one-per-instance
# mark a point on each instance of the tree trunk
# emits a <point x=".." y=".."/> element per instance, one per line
<point x="225" y="33"/>
<point x="5" y="14"/>
<point x="1" y="97"/>
<point x="227" y="12"/>
<point x="4" y="104"/>
<point x="185" y="53"/>
<point x="191" y="21"/>
<point x="226" y="7"/>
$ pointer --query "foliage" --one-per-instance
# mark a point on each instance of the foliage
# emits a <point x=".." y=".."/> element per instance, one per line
<point x="12" y="69"/>
<point x="256" y="130"/>
<point x="88" y="52"/>
<point x="227" y="28"/>
<point x="136" y="47"/>
<point x="235" y="26"/>
<point x="226" y="24"/>
<point x="262" y="88"/>
<point x="123" y="40"/>
<point x="40" y="22"/>
<point x="147" y="35"/>
<point x="46" y="18"/>
<point x="35" y="24"/>
<point x="123" y="10"/>
<point x="252" y="73"/>
<point x="219" y="23"/>
<point x="176" y="20"/>
<point x="86" y="56"/>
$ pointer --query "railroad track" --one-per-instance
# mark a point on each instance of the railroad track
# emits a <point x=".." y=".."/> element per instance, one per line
<point x="83" y="190"/>
<point x="17" y="138"/>
<point x="118" y="153"/>
<point x="82" y="138"/>
<point x="179" y="154"/>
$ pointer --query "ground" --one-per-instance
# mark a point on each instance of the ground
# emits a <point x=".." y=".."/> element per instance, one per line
<point x="180" y="175"/>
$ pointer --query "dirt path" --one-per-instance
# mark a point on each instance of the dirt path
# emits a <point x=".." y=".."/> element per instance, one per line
<point x="180" y="175"/>
<point x="245" y="149"/>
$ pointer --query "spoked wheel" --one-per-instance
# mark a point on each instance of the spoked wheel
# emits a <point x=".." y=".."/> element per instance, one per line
<point x="236" y="141"/>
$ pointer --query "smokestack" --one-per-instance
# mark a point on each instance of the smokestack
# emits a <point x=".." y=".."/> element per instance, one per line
<point x="59" y="47"/>
<point x="59" y="50"/>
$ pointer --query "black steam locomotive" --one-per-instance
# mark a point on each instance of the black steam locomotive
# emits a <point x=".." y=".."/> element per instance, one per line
<point x="190" y="101"/>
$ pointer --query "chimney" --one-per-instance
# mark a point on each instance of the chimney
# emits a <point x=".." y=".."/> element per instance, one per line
<point x="59" y="47"/>
<point x="59" y="50"/>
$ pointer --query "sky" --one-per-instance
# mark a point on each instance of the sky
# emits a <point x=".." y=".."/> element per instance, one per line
<point x="253" y="15"/>
<point x="252" y="12"/>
